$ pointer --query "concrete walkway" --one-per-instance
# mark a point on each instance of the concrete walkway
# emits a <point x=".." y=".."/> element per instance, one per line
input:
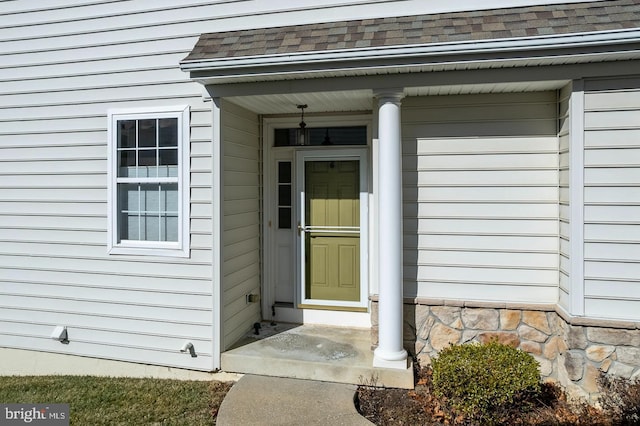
<point x="262" y="400"/>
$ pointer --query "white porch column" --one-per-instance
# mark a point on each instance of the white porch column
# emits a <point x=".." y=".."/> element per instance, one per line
<point x="390" y="352"/>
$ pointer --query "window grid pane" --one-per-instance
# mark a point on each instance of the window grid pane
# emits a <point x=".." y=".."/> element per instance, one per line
<point x="284" y="194"/>
<point x="147" y="135"/>
<point x="168" y="132"/>
<point x="126" y="133"/>
<point x="323" y="136"/>
<point x="147" y="149"/>
<point x="148" y="212"/>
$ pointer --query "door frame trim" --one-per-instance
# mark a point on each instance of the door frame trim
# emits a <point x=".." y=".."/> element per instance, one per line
<point x="336" y="154"/>
<point x="295" y="313"/>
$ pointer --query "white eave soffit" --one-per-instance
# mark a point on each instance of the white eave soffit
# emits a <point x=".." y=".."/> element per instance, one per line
<point x="522" y="51"/>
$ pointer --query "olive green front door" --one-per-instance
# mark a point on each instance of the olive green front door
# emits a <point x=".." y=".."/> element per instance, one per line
<point x="332" y="230"/>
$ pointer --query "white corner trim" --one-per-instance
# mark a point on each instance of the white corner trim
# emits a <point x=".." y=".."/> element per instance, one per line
<point x="576" y="198"/>
<point x="217" y="153"/>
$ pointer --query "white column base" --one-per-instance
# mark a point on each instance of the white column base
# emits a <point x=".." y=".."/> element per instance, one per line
<point x="396" y="360"/>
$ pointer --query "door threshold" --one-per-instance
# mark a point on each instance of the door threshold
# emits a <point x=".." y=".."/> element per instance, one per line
<point x="322" y="315"/>
<point x="332" y="308"/>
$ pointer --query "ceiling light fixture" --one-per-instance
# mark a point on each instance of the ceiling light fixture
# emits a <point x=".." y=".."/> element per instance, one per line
<point x="302" y="130"/>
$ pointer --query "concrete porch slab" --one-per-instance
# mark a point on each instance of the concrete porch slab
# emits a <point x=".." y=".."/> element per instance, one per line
<point x="312" y="352"/>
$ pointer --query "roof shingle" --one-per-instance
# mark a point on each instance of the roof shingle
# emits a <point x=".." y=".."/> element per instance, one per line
<point x="422" y="29"/>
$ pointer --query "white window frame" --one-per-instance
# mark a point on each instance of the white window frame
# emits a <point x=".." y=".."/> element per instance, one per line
<point x="178" y="248"/>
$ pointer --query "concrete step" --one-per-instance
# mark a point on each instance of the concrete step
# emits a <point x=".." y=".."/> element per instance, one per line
<point x="311" y="352"/>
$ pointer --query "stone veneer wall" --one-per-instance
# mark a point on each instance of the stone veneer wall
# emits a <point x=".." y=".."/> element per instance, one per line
<point x="571" y="351"/>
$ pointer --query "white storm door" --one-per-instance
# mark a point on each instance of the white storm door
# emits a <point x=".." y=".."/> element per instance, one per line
<point x="332" y="228"/>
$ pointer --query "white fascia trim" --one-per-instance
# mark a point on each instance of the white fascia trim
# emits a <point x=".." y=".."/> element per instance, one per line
<point x="278" y="74"/>
<point x="575" y="40"/>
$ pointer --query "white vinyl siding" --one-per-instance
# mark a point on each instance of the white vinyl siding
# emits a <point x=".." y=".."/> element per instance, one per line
<point x="58" y="79"/>
<point x="241" y="220"/>
<point x="612" y="199"/>
<point x="142" y="19"/>
<point x="481" y="197"/>
<point x="64" y="64"/>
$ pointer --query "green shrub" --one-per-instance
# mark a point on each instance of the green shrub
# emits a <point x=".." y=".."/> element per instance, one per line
<point x="479" y="379"/>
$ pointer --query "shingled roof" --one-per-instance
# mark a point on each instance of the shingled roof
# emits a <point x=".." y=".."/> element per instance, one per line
<point x="530" y="21"/>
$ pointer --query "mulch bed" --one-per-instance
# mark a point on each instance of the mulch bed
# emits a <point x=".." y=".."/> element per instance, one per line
<point x="419" y="406"/>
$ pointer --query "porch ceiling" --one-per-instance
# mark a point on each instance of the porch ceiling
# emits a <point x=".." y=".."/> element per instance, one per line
<point x="361" y="100"/>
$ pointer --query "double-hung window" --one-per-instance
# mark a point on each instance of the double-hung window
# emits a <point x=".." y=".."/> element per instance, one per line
<point x="149" y="181"/>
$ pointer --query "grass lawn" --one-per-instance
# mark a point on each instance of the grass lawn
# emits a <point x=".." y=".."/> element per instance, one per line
<point x="120" y="401"/>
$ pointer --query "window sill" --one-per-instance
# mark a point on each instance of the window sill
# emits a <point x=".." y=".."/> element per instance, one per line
<point x="148" y="251"/>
